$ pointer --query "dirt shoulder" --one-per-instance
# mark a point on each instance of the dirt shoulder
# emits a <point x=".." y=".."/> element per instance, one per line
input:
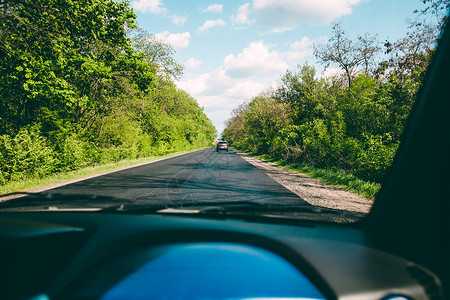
<point x="312" y="190"/>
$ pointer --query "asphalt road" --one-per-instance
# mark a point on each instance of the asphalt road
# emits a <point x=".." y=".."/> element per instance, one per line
<point x="196" y="177"/>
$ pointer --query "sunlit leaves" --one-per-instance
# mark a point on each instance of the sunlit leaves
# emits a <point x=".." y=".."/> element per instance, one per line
<point x="321" y="123"/>
<point x="91" y="95"/>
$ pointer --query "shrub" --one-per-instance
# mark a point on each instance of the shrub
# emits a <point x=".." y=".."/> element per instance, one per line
<point x="375" y="159"/>
<point x="75" y="154"/>
<point x="26" y="155"/>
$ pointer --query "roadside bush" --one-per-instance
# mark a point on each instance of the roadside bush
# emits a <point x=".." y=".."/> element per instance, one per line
<point x="115" y="154"/>
<point x="325" y="124"/>
<point x="144" y="145"/>
<point x="5" y="158"/>
<point x="375" y="159"/>
<point x="27" y="155"/>
<point x="316" y="140"/>
<point x="286" y="143"/>
<point x="76" y="154"/>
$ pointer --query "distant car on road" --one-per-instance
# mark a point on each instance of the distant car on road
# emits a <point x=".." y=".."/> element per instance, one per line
<point x="222" y="145"/>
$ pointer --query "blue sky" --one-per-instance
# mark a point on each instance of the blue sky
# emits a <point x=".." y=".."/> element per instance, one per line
<point x="234" y="50"/>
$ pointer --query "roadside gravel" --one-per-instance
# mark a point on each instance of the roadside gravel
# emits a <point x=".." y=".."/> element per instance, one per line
<point x="311" y="190"/>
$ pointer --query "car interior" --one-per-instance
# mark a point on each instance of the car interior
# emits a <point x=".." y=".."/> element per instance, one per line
<point x="399" y="251"/>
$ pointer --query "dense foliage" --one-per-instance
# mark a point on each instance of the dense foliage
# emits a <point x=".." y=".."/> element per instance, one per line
<point x="80" y="84"/>
<point x="350" y="122"/>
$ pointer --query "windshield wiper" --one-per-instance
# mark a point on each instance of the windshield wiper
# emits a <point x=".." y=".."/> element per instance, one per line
<point x="216" y="209"/>
<point x="246" y="210"/>
<point x="228" y="207"/>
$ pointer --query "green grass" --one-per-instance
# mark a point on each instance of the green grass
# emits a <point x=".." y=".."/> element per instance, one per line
<point x="31" y="184"/>
<point x="340" y="179"/>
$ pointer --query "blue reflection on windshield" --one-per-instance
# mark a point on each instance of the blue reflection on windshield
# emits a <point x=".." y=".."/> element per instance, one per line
<point x="215" y="271"/>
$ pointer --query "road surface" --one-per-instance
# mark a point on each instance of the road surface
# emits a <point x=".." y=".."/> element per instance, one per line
<point x="204" y="175"/>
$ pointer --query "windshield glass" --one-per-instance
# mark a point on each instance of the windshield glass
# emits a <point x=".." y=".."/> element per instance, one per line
<point x="271" y="108"/>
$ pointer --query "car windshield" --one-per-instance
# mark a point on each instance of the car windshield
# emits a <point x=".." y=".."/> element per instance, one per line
<point x="121" y="105"/>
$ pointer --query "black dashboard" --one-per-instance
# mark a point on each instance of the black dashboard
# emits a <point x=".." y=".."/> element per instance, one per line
<point x="94" y="255"/>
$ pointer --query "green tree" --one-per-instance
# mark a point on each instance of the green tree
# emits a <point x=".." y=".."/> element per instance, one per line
<point x="158" y="54"/>
<point x="234" y="127"/>
<point x="305" y="94"/>
<point x="347" y="54"/>
<point x="43" y="44"/>
<point x="79" y="78"/>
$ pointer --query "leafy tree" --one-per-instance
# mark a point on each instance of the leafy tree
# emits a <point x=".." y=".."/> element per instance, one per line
<point x="303" y="92"/>
<point x="345" y="53"/>
<point x="85" y="86"/>
<point x="438" y="9"/>
<point x="43" y="44"/>
<point x="354" y="127"/>
<point x="234" y="127"/>
<point x="157" y="53"/>
<point x="263" y="121"/>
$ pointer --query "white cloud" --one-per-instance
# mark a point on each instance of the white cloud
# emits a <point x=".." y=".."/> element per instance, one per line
<point x="286" y="13"/>
<point x="219" y="94"/>
<point x="256" y="59"/>
<point x="157" y="7"/>
<point x="241" y="17"/>
<point x="210" y="24"/>
<point x="246" y="89"/>
<point x="218" y="82"/>
<point x="178" y="20"/>
<point x="305" y="42"/>
<point x="192" y="63"/>
<point x="149" y="6"/>
<point x="218" y="107"/>
<point x="239" y="78"/>
<point x="278" y="30"/>
<point x="300" y="49"/>
<point x="215" y="8"/>
<point x="219" y="116"/>
<point x="331" y="72"/>
<point x="194" y="85"/>
<point x="177" y="40"/>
